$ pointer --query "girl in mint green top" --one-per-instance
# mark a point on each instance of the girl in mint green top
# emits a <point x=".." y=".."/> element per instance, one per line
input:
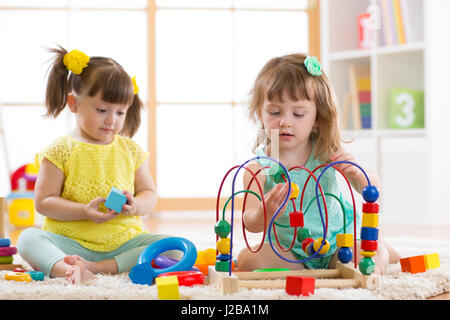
<point x="293" y="103"/>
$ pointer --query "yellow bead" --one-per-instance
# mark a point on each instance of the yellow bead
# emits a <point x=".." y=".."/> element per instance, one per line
<point x="318" y="243"/>
<point x="344" y="240"/>
<point x="370" y="220"/>
<point x="368" y="254"/>
<point x="223" y="245"/>
<point x="295" y="191"/>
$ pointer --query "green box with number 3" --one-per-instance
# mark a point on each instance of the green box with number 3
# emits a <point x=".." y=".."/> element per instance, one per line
<point x="406" y="108"/>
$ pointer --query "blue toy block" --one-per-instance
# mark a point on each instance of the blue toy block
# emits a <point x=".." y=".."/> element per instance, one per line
<point x="115" y="200"/>
<point x="369" y="233"/>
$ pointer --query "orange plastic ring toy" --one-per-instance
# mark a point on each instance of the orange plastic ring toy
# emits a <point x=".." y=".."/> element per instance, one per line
<point x="186" y="278"/>
<point x="18" y="276"/>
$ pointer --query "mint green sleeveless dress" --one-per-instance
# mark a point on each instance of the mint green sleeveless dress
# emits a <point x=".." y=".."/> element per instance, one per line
<point x="312" y="220"/>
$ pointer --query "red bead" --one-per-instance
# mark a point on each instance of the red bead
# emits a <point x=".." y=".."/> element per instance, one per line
<point x="369" y="245"/>
<point x="370" y="207"/>
<point x="296" y="219"/>
<point x="306" y="242"/>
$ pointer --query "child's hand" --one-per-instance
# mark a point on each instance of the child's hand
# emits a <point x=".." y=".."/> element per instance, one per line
<point x="129" y="208"/>
<point x="91" y="212"/>
<point x="346" y="168"/>
<point x="274" y="198"/>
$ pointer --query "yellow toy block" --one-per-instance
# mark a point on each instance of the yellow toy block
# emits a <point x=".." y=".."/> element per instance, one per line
<point x="223" y="245"/>
<point x="344" y="240"/>
<point x="370" y="220"/>
<point x="168" y="288"/>
<point x="295" y="191"/>
<point x="432" y="261"/>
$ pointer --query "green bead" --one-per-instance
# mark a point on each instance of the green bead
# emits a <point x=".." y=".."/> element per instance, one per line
<point x="302" y="234"/>
<point x="222" y="228"/>
<point x="366" y="266"/>
<point x="222" y="266"/>
<point x="275" y="172"/>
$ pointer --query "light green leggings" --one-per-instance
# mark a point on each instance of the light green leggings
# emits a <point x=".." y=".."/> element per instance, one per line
<point x="42" y="249"/>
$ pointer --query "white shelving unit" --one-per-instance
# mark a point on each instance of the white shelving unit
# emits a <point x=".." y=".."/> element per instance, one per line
<point x="412" y="188"/>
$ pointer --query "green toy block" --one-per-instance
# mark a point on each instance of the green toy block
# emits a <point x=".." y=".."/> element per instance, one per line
<point x="406" y="108"/>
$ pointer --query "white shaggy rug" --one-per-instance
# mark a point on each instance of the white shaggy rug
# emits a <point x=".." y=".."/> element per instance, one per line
<point x="395" y="285"/>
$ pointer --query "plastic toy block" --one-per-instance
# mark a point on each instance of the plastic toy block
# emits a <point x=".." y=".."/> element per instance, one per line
<point x="295" y="191"/>
<point x="369" y="233"/>
<point x="344" y="240"/>
<point x="168" y="288"/>
<point x="370" y="220"/>
<point x="115" y="200"/>
<point x="370" y="207"/>
<point x="369" y="245"/>
<point x="300" y="286"/>
<point x="432" y="261"/>
<point x="296" y="219"/>
<point x="414" y="264"/>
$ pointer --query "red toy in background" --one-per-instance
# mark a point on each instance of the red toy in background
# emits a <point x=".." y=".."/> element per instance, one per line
<point x="366" y="33"/>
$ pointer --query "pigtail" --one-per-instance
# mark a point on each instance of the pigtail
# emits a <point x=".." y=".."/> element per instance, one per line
<point x="132" y="118"/>
<point x="57" y="84"/>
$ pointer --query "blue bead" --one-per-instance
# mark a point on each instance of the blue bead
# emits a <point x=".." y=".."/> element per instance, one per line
<point x="369" y="233"/>
<point x="370" y="193"/>
<point x="224" y="257"/>
<point x="345" y="254"/>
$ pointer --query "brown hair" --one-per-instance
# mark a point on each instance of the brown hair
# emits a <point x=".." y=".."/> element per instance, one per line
<point x="287" y="75"/>
<point x="102" y="74"/>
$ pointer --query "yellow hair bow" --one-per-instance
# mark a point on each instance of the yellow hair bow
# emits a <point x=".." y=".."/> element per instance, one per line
<point x="75" y="61"/>
<point x="135" y="87"/>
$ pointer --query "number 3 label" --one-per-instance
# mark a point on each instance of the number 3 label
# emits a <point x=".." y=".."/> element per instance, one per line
<point x="407" y="117"/>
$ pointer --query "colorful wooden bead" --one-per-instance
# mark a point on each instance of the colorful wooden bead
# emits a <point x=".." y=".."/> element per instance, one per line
<point x="370" y="207"/>
<point x="222" y="266"/>
<point x="302" y="234"/>
<point x="306" y="242"/>
<point x="223" y="245"/>
<point x="325" y="247"/>
<point x="370" y="220"/>
<point x="18" y="276"/>
<point x="36" y="275"/>
<point x="366" y="266"/>
<point x="7" y="251"/>
<point x="296" y="219"/>
<point x="369" y="245"/>
<point x="344" y="240"/>
<point x="295" y="191"/>
<point x="222" y="228"/>
<point x="276" y="172"/>
<point x="368" y="254"/>
<point x="6" y="260"/>
<point x="370" y="193"/>
<point x="369" y="233"/>
<point x="345" y="254"/>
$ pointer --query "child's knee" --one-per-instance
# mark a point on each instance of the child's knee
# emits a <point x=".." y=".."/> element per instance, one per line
<point x="28" y="239"/>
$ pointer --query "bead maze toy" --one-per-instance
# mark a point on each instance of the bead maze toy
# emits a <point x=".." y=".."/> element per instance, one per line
<point x="345" y="275"/>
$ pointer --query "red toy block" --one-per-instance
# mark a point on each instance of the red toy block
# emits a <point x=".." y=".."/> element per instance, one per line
<point x="296" y="285"/>
<point x="369" y="245"/>
<point x="414" y="264"/>
<point x="296" y="219"/>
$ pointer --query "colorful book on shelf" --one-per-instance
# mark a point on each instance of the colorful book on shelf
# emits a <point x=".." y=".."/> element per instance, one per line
<point x="365" y="104"/>
<point x="398" y="21"/>
<point x="394" y="14"/>
<point x="387" y="22"/>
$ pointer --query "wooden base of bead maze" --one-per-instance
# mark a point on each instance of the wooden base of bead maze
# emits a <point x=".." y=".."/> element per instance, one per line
<point x="10" y="266"/>
<point x="344" y="276"/>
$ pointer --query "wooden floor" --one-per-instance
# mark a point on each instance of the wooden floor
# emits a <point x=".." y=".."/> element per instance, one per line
<point x="201" y="225"/>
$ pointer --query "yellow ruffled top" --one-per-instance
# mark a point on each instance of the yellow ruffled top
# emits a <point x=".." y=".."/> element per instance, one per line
<point x="90" y="171"/>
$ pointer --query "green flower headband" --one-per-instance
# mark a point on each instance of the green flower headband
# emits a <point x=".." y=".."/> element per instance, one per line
<point x="313" y="66"/>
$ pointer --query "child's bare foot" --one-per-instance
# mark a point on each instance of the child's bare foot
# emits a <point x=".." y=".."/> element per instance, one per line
<point x="77" y="272"/>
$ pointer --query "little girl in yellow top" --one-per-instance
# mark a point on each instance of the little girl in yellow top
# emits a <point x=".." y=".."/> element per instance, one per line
<point x="80" y="236"/>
